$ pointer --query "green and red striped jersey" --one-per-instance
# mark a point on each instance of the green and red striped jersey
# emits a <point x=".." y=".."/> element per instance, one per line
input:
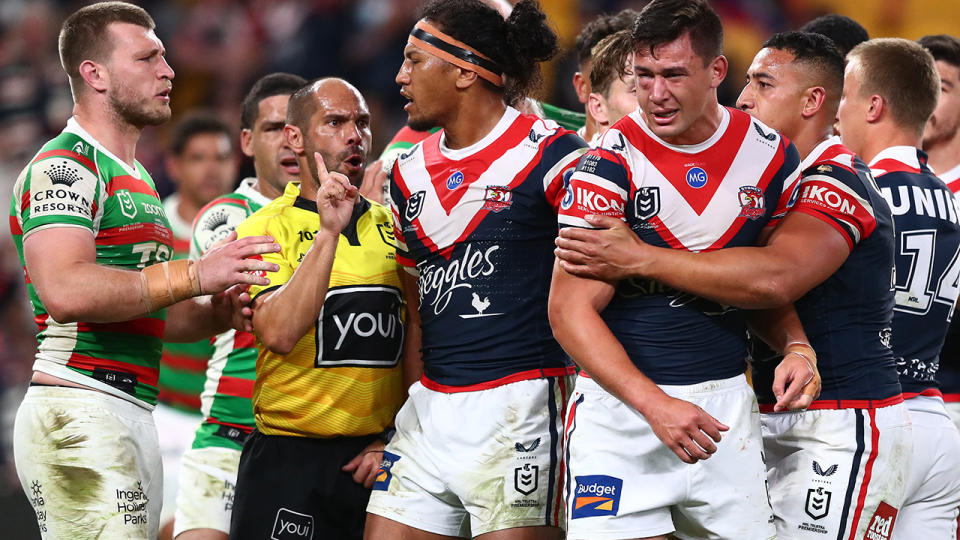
<point x="182" y="365"/>
<point x="226" y="398"/>
<point x="75" y="182"/>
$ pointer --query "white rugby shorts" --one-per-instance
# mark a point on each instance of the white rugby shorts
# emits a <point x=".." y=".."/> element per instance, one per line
<point x="953" y="409"/>
<point x="932" y="503"/>
<point x="623" y="482"/>
<point x="467" y="463"/>
<point x="89" y="463"/>
<point x="208" y="478"/>
<point x="176" y="430"/>
<point x="837" y="473"/>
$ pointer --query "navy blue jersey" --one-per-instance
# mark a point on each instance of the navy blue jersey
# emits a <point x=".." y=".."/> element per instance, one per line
<point x="928" y="263"/>
<point x="948" y="375"/>
<point x="478" y="226"/>
<point x="847" y="317"/>
<point x="720" y="193"/>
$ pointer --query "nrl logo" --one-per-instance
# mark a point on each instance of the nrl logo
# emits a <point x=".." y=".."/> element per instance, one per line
<point x="415" y="205"/>
<point x="525" y="478"/>
<point x="646" y="203"/>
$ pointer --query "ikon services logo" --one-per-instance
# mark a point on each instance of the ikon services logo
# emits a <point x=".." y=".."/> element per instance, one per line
<point x="596" y="495"/>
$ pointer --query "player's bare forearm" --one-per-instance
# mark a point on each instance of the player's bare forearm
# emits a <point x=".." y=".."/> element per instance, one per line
<point x="282" y="317"/>
<point x="796" y="380"/>
<point x="412" y="358"/>
<point x="194" y="319"/>
<point x="777" y="327"/>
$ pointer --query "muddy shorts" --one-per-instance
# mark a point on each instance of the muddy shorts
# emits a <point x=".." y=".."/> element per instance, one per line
<point x="89" y="464"/>
<point x="468" y="463"/>
<point x="208" y="478"/>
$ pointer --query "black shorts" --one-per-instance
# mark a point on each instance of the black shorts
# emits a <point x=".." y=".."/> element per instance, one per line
<point x="292" y="488"/>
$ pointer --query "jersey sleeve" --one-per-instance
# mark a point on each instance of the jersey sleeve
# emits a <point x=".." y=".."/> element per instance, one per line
<point x="560" y="158"/>
<point x="831" y="194"/>
<point x="787" y="181"/>
<point x="59" y="188"/>
<point x="400" y="200"/>
<point x="215" y="222"/>
<point x="599" y="185"/>
<point x="258" y="226"/>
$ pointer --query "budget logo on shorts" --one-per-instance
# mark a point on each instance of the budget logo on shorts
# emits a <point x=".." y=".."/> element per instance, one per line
<point x="290" y="525"/>
<point x="414" y="205"/>
<point x="454" y="180"/>
<point x="596" y="495"/>
<point x="384" y="475"/>
<point x="696" y="177"/>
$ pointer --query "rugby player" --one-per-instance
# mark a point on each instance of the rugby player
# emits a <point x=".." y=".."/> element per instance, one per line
<point x="477" y="448"/>
<point x="845" y="32"/>
<point x="612" y="95"/>
<point x="208" y="473"/>
<point x="202" y="166"/>
<point x="890" y="89"/>
<point x="330" y="332"/>
<point x="941" y="142"/>
<point x="95" y="244"/>
<point x="660" y="366"/>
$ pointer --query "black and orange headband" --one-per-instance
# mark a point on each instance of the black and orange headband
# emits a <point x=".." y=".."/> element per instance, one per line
<point x="429" y="38"/>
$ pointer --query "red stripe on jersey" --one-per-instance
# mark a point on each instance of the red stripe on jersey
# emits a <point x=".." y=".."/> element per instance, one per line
<point x="184" y="362"/>
<point x="145" y="375"/>
<point x="828" y="157"/>
<point x="15" y="226"/>
<point x="134" y="233"/>
<point x="173" y="397"/>
<point x="954" y="186"/>
<point x="131" y="184"/>
<point x="674" y="165"/>
<point x="951" y="398"/>
<point x="41" y="321"/>
<point x="245" y="428"/>
<point x="181" y="245"/>
<point x="889" y="165"/>
<point x="589" y="198"/>
<point x="402" y="184"/>
<point x="823" y="217"/>
<point x="867" y="473"/>
<point x="661" y="229"/>
<point x="530" y="374"/>
<point x="244" y="340"/>
<point x="824" y="197"/>
<point x="84" y="160"/>
<point x="144" y="326"/>
<point x="25" y="201"/>
<point x="929" y="392"/>
<point x="834" y="404"/>
<point x="235" y="386"/>
<point x="568" y="422"/>
<point x="440" y="168"/>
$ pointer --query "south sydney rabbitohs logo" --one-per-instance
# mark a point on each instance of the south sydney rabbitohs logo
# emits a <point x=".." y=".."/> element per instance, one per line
<point x="437" y="283"/>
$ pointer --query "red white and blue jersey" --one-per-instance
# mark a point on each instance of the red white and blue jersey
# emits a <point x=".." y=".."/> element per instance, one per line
<point x="478" y="226"/>
<point x="848" y="317"/>
<point x="948" y="376"/>
<point x="928" y="263"/>
<point x="720" y="193"/>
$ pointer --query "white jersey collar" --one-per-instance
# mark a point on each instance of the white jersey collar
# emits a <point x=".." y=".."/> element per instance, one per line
<point x="74" y="127"/>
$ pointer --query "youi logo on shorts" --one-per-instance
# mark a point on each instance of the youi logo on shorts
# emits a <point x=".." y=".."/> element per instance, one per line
<point x="696" y="177"/>
<point x="596" y="495"/>
<point x="290" y="525"/>
<point x="384" y="475"/>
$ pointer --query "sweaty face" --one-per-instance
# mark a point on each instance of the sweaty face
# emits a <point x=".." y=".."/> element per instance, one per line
<point x="675" y="90"/>
<point x="139" y="76"/>
<point x="206" y="169"/>
<point x="429" y="83"/>
<point x="945" y="122"/>
<point x="273" y="159"/>
<point x="340" y="131"/>
<point x="774" y="90"/>
<point x="852" y="114"/>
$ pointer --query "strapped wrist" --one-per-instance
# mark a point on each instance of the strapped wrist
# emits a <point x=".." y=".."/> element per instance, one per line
<point x="169" y="282"/>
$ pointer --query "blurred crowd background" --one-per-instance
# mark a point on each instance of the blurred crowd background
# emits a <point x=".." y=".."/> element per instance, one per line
<point x="219" y="47"/>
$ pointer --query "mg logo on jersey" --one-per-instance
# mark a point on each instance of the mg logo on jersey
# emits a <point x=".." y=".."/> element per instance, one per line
<point x="128" y="207"/>
<point x="290" y="525"/>
<point x="751" y="202"/>
<point x="596" y="495"/>
<point x="696" y="177"/>
<point x="360" y="326"/>
<point x="384" y="474"/>
<point x="646" y="203"/>
<point x="415" y="205"/>
<point x="454" y="180"/>
<point x="818" y="503"/>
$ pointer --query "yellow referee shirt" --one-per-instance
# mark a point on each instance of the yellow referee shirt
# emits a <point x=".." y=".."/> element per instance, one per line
<point x="343" y="378"/>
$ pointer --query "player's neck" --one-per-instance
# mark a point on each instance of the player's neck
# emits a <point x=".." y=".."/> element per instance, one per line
<point x="265" y="187"/>
<point x="944" y="155"/>
<point x="887" y="135"/>
<point x="473" y="120"/>
<point x="591" y="127"/>
<point x="105" y="125"/>
<point x="809" y="136"/>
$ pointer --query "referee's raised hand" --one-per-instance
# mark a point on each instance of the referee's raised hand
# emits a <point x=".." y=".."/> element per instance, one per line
<point x="335" y="198"/>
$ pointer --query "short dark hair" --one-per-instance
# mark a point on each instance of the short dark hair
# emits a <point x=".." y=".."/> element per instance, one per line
<point x="663" y="21"/>
<point x="517" y="45"/>
<point x="943" y="47"/>
<point x="904" y="74"/>
<point x="196" y="123"/>
<point x="604" y="69"/>
<point x="84" y="36"/>
<point x="303" y="104"/>
<point x="817" y="52"/>
<point x="274" y="84"/>
<point x="594" y="31"/>
<point x="845" y="32"/>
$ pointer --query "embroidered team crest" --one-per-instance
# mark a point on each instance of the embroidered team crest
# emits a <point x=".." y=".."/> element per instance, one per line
<point x="646" y="203"/>
<point x="454" y="180"/>
<point x="497" y="198"/>
<point x="414" y="205"/>
<point x="751" y="202"/>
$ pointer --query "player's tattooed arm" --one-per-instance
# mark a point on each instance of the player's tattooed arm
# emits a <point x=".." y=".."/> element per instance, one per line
<point x="796" y="382"/>
<point x="574" y="308"/>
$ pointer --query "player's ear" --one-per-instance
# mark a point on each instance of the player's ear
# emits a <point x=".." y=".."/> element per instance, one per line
<point x="718" y="70"/>
<point x="597" y="108"/>
<point x="246" y="142"/>
<point x="580" y="84"/>
<point x="812" y="101"/>
<point x="466" y="78"/>
<point x="876" y="109"/>
<point x="95" y="75"/>
<point x="294" y="138"/>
